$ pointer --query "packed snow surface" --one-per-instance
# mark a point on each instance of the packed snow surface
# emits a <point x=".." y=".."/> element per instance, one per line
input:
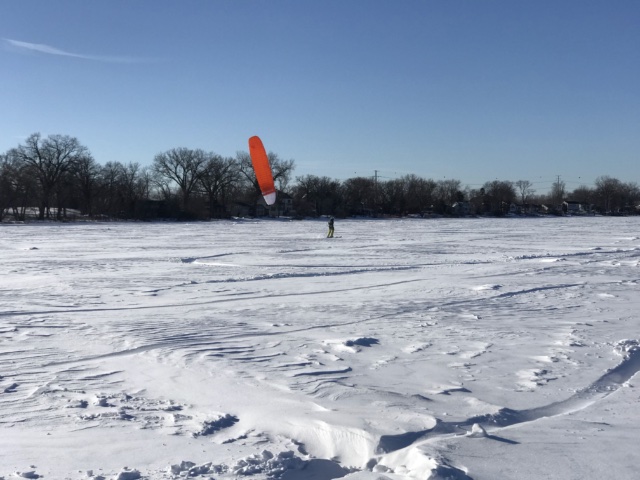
<point x="402" y="349"/>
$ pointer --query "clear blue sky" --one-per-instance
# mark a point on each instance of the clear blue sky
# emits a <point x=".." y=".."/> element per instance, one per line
<point x="466" y="89"/>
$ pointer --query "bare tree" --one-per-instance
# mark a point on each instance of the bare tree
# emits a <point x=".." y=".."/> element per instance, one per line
<point x="394" y="196"/>
<point x="609" y="191"/>
<point x="630" y="196"/>
<point x="525" y="190"/>
<point x="317" y="195"/>
<point x="48" y="160"/>
<point x="280" y="169"/>
<point x="110" y="195"/>
<point x="134" y="186"/>
<point x="18" y="187"/>
<point x="558" y="192"/>
<point x="360" y="195"/>
<point x="218" y="176"/>
<point x="86" y="173"/>
<point x="306" y="194"/>
<point x="145" y="181"/>
<point x="447" y="193"/>
<point x="420" y="193"/>
<point x="7" y="193"/>
<point x="584" y="195"/>
<point x="499" y="194"/>
<point x="181" y="166"/>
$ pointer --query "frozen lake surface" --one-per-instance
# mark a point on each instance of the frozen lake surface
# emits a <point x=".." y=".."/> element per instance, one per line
<point x="403" y="349"/>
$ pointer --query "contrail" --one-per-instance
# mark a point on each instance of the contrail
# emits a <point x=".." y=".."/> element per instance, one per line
<point x="38" y="47"/>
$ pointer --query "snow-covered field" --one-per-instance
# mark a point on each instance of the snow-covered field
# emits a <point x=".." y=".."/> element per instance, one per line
<point x="403" y="349"/>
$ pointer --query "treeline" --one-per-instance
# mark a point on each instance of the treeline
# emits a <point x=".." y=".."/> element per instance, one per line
<point x="57" y="174"/>
<point x="52" y="176"/>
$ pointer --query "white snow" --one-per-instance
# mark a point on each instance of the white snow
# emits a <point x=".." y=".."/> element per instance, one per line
<point x="404" y="349"/>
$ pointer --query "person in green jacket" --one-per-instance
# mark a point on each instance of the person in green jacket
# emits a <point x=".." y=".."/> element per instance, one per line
<point x="330" y="234"/>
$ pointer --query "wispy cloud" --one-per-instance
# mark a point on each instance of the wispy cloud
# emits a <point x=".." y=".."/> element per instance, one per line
<point x="49" y="50"/>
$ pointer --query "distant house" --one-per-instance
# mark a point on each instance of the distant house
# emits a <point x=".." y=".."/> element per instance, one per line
<point x="241" y="209"/>
<point x="571" y="207"/>
<point x="282" y="208"/>
<point x="540" y="209"/>
<point x="262" y="209"/>
<point x="284" y="205"/>
<point x="461" y="208"/>
<point x="533" y="209"/>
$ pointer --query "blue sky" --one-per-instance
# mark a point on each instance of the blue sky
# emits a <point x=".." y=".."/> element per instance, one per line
<point x="470" y="90"/>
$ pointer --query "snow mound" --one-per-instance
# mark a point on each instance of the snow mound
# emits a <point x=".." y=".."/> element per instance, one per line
<point x="352" y="345"/>
<point x="28" y="474"/>
<point x="419" y="462"/>
<point x="190" y="469"/>
<point x="477" y="431"/>
<point x="268" y="464"/>
<point x="362" y="342"/>
<point x="209" y="427"/>
<point x="627" y="347"/>
<point x="127" y="474"/>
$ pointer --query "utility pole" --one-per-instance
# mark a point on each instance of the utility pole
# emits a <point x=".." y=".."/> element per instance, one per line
<point x="557" y="192"/>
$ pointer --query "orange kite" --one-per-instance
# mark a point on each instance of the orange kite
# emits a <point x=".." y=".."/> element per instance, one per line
<point x="262" y="169"/>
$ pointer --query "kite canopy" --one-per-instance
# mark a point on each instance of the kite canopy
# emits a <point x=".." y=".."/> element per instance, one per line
<point x="262" y="170"/>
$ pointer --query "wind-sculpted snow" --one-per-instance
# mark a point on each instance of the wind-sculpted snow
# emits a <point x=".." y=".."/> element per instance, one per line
<point x="405" y="349"/>
<point x="604" y="386"/>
